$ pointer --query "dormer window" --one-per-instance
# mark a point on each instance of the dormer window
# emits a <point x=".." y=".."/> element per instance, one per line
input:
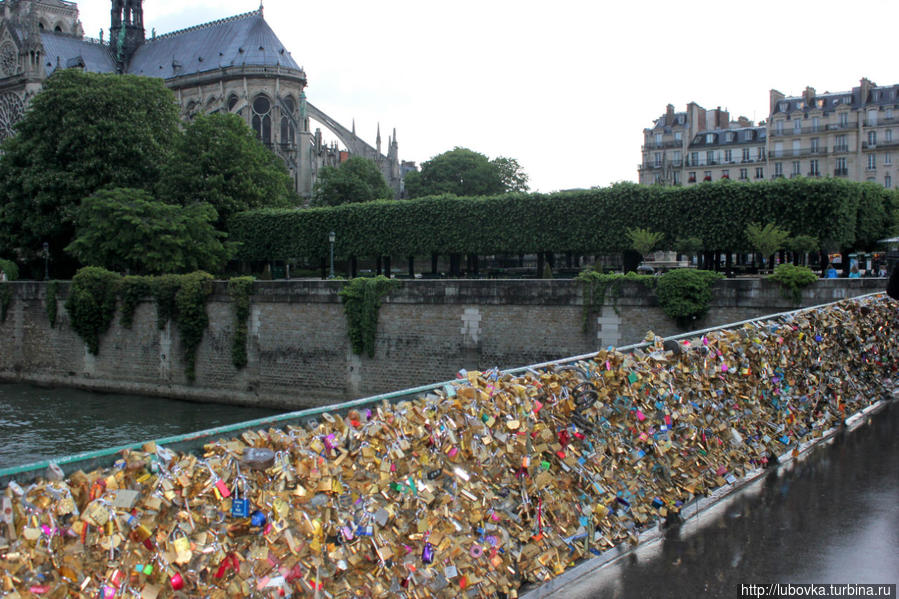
<point x="710" y="138"/>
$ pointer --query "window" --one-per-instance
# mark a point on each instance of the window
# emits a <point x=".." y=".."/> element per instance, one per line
<point x="888" y="135"/>
<point x="710" y="157"/>
<point x="759" y="173"/>
<point x="872" y="162"/>
<point x="778" y="169"/>
<point x="761" y="152"/>
<point x="840" y="144"/>
<point x="813" y="168"/>
<point x="725" y="174"/>
<point x="814" y="145"/>
<point x="707" y="175"/>
<point x="710" y="138"/>
<point x="795" y="147"/>
<point x="797" y="127"/>
<point x="778" y="149"/>
<point x="888" y="158"/>
<point x="658" y="159"/>
<point x="728" y="156"/>
<point x="745" y="154"/>
<point x="872" y="117"/>
<point x="797" y="168"/>
<point x="232" y="102"/>
<point x="658" y="140"/>
<point x="678" y="136"/>
<point x="816" y="124"/>
<point x="691" y="177"/>
<point x="288" y="131"/>
<point x="889" y="114"/>
<point x="262" y="119"/>
<point x="730" y="136"/>
<point x="779" y="127"/>
<point x="676" y="180"/>
<point x="677" y="157"/>
<point x="844" y="119"/>
<point x="744" y="174"/>
<point x="694" y="158"/>
<point x="841" y="164"/>
<point x="872" y="139"/>
<point x="887" y="181"/>
<point x="747" y="136"/>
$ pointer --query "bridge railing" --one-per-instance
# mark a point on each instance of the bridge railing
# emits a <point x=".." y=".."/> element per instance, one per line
<point x="192" y="442"/>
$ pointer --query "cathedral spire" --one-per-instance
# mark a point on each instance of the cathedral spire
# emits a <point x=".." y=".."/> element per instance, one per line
<point x="378" y="142"/>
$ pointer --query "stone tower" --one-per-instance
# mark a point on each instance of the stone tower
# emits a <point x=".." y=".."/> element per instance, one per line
<point x="126" y="30"/>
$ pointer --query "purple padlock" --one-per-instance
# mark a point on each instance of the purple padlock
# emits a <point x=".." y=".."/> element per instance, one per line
<point x="427" y="554"/>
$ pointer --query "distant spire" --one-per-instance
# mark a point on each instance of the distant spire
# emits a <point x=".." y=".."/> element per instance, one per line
<point x="394" y="135"/>
<point x="354" y="126"/>
<point x="378" y="140"/>
<point x="260" y="8"/>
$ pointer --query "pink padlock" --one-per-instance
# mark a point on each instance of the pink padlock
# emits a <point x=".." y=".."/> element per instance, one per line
<point x="177" y="581"/>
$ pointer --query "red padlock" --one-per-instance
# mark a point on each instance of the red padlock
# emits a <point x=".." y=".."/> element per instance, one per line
<point x="177" y="581"/>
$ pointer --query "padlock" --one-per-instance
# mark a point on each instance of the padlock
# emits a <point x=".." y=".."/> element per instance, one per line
<point x="240" y="506"/>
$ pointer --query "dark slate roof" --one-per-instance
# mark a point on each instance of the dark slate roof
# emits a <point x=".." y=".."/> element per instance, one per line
<point x="886" y="95"/>
<point x="243" y="40"/>
<point x="743" y="135"/>
<point x="680" y="118"/>
<point x="61" y="50"/>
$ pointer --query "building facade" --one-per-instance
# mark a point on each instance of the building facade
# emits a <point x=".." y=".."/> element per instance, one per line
<point x="236" y="65"/>
<point x="843" y="134"/>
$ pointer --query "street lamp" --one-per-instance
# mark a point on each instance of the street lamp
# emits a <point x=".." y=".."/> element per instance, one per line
<point x="46" y="260"/>
<point x="332" y="237"/>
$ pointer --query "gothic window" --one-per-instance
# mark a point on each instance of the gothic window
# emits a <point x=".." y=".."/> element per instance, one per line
<point x="9" y="59"/>
<point x="11" y="112"/>
<point x="232" y="102"/>
<point x="288" y="131"/>
<point x="262" y="119"/>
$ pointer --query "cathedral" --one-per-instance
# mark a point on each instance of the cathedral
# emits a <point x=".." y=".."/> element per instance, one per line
<point x="236" y="64"/>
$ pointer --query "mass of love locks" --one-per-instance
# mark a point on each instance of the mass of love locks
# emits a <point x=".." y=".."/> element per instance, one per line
<point x="475" y="489"/>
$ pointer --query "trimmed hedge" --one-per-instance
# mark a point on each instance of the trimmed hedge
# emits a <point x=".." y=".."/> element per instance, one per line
<point x="836" y="211"/>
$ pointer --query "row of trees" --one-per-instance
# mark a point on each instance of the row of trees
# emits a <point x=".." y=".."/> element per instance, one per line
<point x="103" y="170"/>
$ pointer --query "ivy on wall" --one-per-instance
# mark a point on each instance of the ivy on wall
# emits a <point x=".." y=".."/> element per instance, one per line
<point x="134" y="289"/>
<point x="5" y="300"/>
<point x="50" y="303"/>
<point x="191" y="317"/>
<point x="240" y="289"/>
<point x="685" y="295"/>
<point x="361" y="302"/>
<point x="793" y="279"/>
<point x="92" y="304"/>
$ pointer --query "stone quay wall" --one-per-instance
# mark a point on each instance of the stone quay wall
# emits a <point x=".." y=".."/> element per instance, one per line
<point x="299" y="353"/>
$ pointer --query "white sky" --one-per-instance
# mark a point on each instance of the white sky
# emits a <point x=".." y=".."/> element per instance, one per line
<point x="565" y="86"/>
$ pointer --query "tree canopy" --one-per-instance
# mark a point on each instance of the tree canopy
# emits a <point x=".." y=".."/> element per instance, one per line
<point x="127" y="230"/>
<point x="83" y="132"/>
<point x="220" y="162"/>
<point x="464" y="172"/>
<point x="356" y="180"/>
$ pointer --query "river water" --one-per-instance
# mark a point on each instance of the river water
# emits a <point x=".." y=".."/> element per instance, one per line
<point x="38" y="424"/>
<point x="833" y="518"/>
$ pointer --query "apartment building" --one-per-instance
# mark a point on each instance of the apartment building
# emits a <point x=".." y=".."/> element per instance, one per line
<point x="834" y="134"/>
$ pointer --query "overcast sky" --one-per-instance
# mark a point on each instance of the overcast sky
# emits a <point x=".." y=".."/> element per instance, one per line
<point x="566" y="87"/>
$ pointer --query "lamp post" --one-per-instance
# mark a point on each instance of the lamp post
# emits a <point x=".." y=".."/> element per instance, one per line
<point x="46" y="260"/>
<point x="332" y="237"/>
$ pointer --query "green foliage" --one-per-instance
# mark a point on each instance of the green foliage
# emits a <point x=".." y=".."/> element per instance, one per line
<point x="356" y="180"/>
<point x="5" y="299"/>
<point x="10" y="269"/>
<point x="511" y="174"/>
<point x="803" y="244"/>
<point x="219" y="161"/>
<point x="83" y="132"/>
<point x="644" y="241"/>
<point x="547" y="271"/>
<point x="685" y="294"/>
<point x="191" y="317"/>
<point x="92" y="304"/>
<point x="766" y="240"/>
<point x="133" y="289"/>
<point x="460" y="171"/>
<point x="361" y="302"/>
<point x="874" y="218"/>
<point x="240" y="289"/>
<point x="793" y="279"/>
<point x="597" y="285"/>
<point x="688" y="245"/>
<point x="50" y="304"/>
<point x="127" y="230"/>
<point x="591" y="221"/>
<point x="164" y="290"/>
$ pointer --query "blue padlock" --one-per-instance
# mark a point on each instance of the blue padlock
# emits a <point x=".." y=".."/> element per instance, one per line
<point x="258" y="519"/>
<point x="240" y="508"/>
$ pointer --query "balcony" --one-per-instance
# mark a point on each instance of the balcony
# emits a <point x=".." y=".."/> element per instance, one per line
<point x="841" y="149"/>
<point x="841" y="172"/>
<point x="663" y="145"/>
<point x="814" y="173"/>
<point x="866" y="145"/>
<point x="839" y="126"/>
<point x="791" y="131"/>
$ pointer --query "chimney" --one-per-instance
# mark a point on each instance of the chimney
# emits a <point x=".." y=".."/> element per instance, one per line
<point x="774" y="97"/>
<point x="809" y="96"/>
<point x="669" y="115"/>
<point x="865" y="86"/>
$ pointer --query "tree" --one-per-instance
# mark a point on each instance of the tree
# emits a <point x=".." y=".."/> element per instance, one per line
<point x="83" y="132"/>
<point x="643" y="240"/>
<point x="766" y="240"/>
<point x="688" y="245"/>
<point x="511" y="174"/>
<point x="802" y="245"/>
<point x="127" y="230"/>
<point x="219" y="161"/>
<point x="356" y="180"/>
<point x="463" y="172"/>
